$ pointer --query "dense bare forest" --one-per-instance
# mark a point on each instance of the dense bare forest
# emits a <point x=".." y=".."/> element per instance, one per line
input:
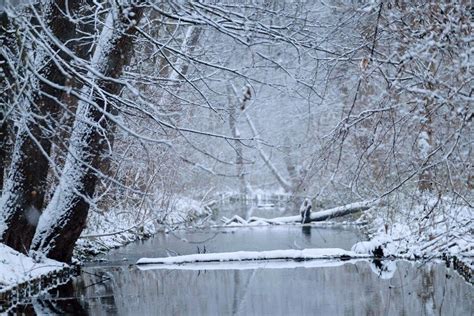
<point x="144" y="112"/>
<point x="124" y="119"/>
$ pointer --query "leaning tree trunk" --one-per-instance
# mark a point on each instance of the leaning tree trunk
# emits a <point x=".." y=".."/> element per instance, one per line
<point x="83" y="50"/>
<point x="24" y="192"/>
<point x="5" y="93"/>
<point x="4" y="150"/>
<point x="244" y="100"/>
<point x="64" y="219"/>
<point x="10" y="75"/>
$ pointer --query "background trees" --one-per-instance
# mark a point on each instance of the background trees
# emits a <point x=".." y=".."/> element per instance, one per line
<point x="131" y="105"/>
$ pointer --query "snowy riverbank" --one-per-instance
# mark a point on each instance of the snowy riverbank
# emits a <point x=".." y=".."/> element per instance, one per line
<point x="449" y="232"/>
<point x="116" y="228"/>
<point x="22" y="277"/>
<point x="420" y="232"/>
<point x="16" y="267"/>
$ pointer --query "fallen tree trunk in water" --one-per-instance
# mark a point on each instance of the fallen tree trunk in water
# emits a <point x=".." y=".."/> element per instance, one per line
<point x="315" y="216"/>
<point x="289" y="254"/>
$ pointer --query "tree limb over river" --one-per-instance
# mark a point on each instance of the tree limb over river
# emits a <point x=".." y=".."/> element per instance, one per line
<point x="315" y="216"/>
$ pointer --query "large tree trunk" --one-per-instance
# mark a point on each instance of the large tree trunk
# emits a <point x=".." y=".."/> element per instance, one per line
<point x="65" y="217"/>
<point x="5" y="94"/>
<point x="23" y="197"/>
<point x="3" y="148"/>
<point x="83" y="49"/>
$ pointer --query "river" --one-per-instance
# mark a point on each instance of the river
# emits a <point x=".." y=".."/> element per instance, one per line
<point x="118" y="287"/>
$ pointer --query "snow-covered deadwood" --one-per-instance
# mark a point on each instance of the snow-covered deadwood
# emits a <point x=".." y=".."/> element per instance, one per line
<point x="314" y="216"/>
<point x="290" y="254"/>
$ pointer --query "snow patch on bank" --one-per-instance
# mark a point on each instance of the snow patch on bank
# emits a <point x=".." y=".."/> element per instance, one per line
<point x="420" y="231"/>
<point x="117" y="227"/>
<point x="183" y="210"/>
<point x="16" y="267"/>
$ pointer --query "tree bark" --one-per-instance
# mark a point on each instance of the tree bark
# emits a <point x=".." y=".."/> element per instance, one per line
<point x="239" y="152"/>
<point x="4" y="152"/>
<point x="65" y="217"/>
<point x="425" y="143"/>
<point x="5" y="94"/>
<point x="23" y="197"/>
<point x="83" y="49"/>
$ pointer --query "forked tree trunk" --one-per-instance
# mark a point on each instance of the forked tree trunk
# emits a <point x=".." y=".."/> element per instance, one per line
<point x="64" y="219"/>
<point x="24" y="192"/>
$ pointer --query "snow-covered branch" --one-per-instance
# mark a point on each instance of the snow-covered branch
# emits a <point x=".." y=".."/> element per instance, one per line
<point x="314" y="217"/>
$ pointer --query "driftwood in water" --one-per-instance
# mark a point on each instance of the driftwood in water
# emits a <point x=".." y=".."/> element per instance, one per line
<point x="314" y="216"/>
<point x="287" y="254"/>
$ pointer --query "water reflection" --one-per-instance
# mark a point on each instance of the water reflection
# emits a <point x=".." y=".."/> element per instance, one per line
<point x="269" y="288"/>
<point x="385" y="269"/>
<point x="347" y="289"/>
<point x="306" y="230"/>
<point x="239" y="238"/>
<point x="60" y="301"/>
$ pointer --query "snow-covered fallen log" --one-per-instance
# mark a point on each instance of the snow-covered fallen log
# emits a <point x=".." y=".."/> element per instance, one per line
<point x="251" y="265"/>
<point x="331" y="213"/>
<point x="289" y="254"/>
<point x="315" y="216"/>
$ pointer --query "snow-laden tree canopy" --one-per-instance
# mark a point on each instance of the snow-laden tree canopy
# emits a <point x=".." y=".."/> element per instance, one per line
<point x="129" y="104"/>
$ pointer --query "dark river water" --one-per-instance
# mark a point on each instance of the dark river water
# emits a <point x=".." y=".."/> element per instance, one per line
<point x="118" y="287"/>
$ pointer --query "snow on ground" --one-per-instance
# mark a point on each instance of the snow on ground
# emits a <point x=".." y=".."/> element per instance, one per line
<point x="288" y="254"/>
<point x="184" y="210"/>
<point x="116" y="228"/>
<point x="16" y="267"/>
<point x="421" y="231"/>
<point x="112" y="229"/>
<point x="104" y="231"/>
